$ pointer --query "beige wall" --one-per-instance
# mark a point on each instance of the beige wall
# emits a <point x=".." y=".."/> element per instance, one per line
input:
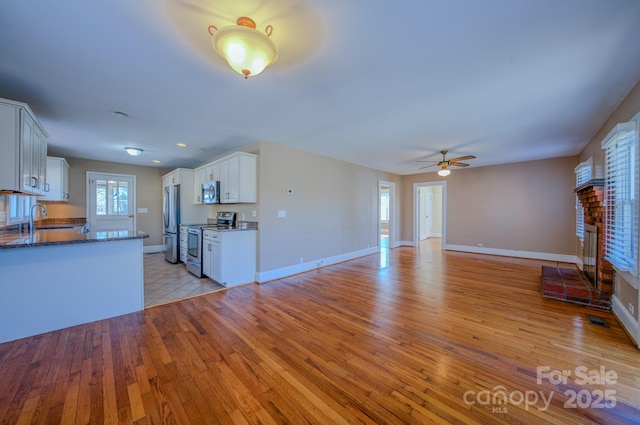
<point x="625" y="111"/>
<point x="148" y="194"/>
<point x="527" y="206"/>
<point x="334" y="209"/>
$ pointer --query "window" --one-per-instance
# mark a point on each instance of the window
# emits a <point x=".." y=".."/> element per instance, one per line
<point x="112" y="197"/>
<point x="622" y="187"/>
<point x="583" y="175"/>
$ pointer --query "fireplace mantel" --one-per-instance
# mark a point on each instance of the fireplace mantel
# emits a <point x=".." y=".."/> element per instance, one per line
<point x="590" y="183"/>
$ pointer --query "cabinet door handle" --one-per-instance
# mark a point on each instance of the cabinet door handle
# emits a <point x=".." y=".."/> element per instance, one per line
<point x="209" y="247"/>
<point x="34" y="181"/>
<point x="46" y="187"/>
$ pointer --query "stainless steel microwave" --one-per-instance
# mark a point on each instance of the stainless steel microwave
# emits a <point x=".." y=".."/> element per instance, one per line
<point x="211" y="192"/>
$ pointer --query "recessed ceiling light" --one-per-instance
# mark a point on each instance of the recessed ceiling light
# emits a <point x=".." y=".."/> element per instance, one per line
<point x="182" y="145"/>
<point x="120" y="114"/>
<point x="156" y="161"/>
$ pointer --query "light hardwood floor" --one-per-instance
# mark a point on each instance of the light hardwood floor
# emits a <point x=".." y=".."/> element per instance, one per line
<point x="408" y="337"/>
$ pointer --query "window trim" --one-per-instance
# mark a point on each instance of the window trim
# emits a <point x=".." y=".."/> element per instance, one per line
<point x="584" y="173"/>
<point x="616" y="245"/>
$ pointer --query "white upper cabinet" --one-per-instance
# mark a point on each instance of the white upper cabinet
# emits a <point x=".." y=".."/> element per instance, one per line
<point x="57" y="186"/>
<point x="198" y="179"/>
<point x="23" y="143"/>
<point x="212" y="172"/>
<point x="172" y="178"/>
<point x="238" y="178"/>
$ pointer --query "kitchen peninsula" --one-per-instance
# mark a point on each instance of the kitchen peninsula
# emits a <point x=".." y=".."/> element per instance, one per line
<point x="53" y="279"/>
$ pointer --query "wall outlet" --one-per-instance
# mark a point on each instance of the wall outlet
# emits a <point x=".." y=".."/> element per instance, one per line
<point x="254" y="213"/>
<point x="480" y="245"/>
<point x="301" y="260"/>
<point x="630" y="307"/>
<point x="282" y="213"/>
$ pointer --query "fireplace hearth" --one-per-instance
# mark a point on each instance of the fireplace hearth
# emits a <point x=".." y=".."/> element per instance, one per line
<point x="593" y="285"/>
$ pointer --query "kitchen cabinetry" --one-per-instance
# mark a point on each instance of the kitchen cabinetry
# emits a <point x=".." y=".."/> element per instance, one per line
<point x="57" y="186"/>
<point x="184" y="236"/>
<point x="238" y="175"/>
<point x="229" y="257"/>
<point x="212" y="172"/>
<point x="198" y="180"/>
<point x="208" y="237"/>
<point x="189" y="213"/>
<point x="172" y="178"/>
<point x="23" y="142"/>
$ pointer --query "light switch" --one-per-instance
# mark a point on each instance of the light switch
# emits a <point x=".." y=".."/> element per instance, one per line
<point x="282" y="213"/>
<point x="143" y="210"/>
<point x="3" y="216"/>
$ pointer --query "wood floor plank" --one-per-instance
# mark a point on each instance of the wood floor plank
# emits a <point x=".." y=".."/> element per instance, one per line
<point x="408" y="336"/>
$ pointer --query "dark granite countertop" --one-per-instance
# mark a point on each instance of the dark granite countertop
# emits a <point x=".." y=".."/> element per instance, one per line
<point x="15" y="239"/>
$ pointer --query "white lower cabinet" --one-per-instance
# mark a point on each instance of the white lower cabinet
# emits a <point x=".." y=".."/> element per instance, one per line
<point x="184" y="236"/>
<point x="229" y="256"/>
<point x="207" y="241"/>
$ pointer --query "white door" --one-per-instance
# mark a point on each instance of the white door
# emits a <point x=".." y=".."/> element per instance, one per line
<point x="111" y="201"/>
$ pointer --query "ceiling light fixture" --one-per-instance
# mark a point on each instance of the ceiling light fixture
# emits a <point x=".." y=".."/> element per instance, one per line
<point x="181" y="145"/>
<point x="444" y="172"/>
<point x="133" y="151"/>
<point x="246" y="50"/>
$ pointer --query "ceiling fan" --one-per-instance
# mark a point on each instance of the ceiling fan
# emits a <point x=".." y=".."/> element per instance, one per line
<point x="444" y="164"/>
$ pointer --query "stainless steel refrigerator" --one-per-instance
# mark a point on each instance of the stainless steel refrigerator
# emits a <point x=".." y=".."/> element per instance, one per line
<point x="171" y="217"/>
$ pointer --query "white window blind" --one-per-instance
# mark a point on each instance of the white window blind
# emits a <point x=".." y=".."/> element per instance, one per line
<point x="622" y="189"/>
<point x="583" y="175"/>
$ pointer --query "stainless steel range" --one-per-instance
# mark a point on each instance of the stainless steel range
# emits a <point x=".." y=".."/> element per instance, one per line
<point x="224" y="219"/>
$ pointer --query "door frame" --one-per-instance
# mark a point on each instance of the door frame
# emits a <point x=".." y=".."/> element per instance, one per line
<point x="392" y="215"/>
<point x="132" y="202"/>
<point x="416" y="210"/>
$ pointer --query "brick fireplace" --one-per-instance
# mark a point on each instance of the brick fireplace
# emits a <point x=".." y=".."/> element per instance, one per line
<point x="573" y="285"/>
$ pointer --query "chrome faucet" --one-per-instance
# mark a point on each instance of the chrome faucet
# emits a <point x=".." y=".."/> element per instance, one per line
<point x="44" y="212"/>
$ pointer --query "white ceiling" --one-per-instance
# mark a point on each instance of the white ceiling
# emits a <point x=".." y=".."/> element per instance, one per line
<point x="377" y="83"/>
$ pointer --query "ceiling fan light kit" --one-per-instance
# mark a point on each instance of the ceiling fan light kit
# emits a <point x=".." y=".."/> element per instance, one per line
<point x="133" y="151"/>
<point x="246" y="50"/>
<point x="445" y="164"/>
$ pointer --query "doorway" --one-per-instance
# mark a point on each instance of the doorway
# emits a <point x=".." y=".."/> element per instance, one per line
<point x="429" y="212"/>
<point x="111" y="201"/>
<point x="386" y="214"/>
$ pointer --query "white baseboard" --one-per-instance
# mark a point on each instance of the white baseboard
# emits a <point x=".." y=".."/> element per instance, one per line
<point x="626" y="319"/>
<point x="262" y="277"/>
<point x="404" y="243"/>
<point x="435" y="235"/>
<point x="562" y="258"/>
<point x="152" y="248"/>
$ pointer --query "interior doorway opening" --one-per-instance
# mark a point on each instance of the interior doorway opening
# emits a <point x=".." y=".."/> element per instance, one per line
<point x="386" y="216"/>
<point x="429" y="214"/>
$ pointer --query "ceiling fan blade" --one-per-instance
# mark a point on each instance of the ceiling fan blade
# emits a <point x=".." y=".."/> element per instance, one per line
<point x="462" y="158"/>
<point x="426" y="160"/>
<point x="458" y="164"/>
<point x="427" y="166"/>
